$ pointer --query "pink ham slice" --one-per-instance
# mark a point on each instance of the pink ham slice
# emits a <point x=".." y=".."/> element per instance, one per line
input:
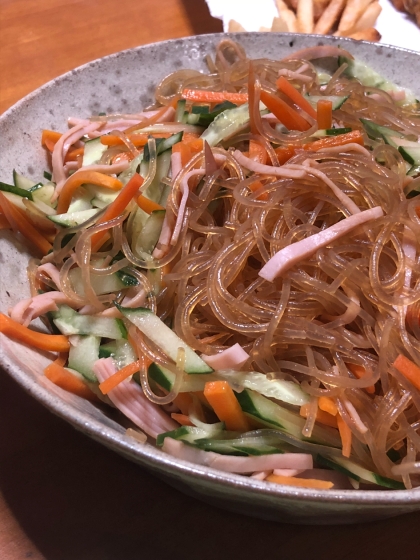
<point x="283" y="171"/>
<point x="296" y="252"/>
<point x="322" y="51"/>
<point x="129" y="398"/>
<point x="231" y="358"/>
<point x="29" y="309"/>
<point x="233" y="464"/>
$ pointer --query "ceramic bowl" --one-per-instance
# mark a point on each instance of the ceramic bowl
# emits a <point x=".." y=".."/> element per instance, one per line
<point x="125" y="82"/>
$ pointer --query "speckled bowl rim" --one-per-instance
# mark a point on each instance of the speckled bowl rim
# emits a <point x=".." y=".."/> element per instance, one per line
<point x="150" y="456"/>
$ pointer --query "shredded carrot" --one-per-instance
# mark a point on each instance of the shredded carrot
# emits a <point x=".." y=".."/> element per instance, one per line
<point x="418" y="211"/>
<point x="184" y="402"/>
<point x="286" y="87"/>
<point x="409" y="369"/>
<point x="74" y="154"/>
<point x="321" y="416"/>
<point x="4" y="223"/>
<point x="80" y="178"/>
<point x="139" y="140"/>
<point x="327" y="404"/>
<point x="204" y="96"/>
<point x="58" y="375"/>
<point x="49" y="144"/>
<point x="226" y="406"/>
<point x="303" y="482"/>
<point x="324" y="114"/>
<point x="345" y="435"/>
<point x="51" y="342"/>
<point x="148" y="205"/>
<point x="116" y="208"/>
<point x="251" y="98"/>
<point x="353" y="137"/>
<point x="19" y="222"/>
<point x="258" y="185"/>
<point x="285" y="114"/>
<point x="191" y="137"/>
<point x="360" y="372"/>
<point x="182" y="419"/>
<point x="184" y="150"/>
<point x="50" y="137"/>
<point x="257" y="152"/>
<point x="284" y="153"/>
<point x="119" y="376"/>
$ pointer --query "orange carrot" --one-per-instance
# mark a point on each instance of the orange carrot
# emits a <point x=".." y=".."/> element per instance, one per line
<point x="119" y="376"/>
<point x="324" y="114"/>
<point x="146" y="122"/>
<point x="346" y="436"/>
<point x="251" y="98"/>
<point x="224" y="403"/>
<point x="327" y="405"/>
<point x="139" y="139"/>
<point x="182" y="419"/>
<point x="321" y="416"/>
<point x="4" y="223"/>
<point x="258" y="185"/>
<point x="148" y="205"/>
<point x="50" y="137"/>
<point x="21" y="223"/>
<point x="78" y="179"/>
<point x="51" y="342"/>
<point x="257" y="152"/>
<point x="117" y="207"/>
<point x="360" y="372"/>
<point x="204" y="96"/>
<point x="353" y="137"/>
<point x="284" y="153"/>
<point x="286" y="87"/>
<point x="56" y="373"/>
<point x="303" y="482"/>
<point x="286" y="114"/>
<point x="184" y="150"/>
<point x="409" y="369"/>
<point x="184" y="402"/>
<point x="74" y="154"/>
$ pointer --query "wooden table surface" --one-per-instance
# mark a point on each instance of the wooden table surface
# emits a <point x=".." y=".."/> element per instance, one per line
<point x="63" y="496"/>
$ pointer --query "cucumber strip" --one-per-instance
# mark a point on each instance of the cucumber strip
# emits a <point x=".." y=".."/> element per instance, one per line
<point x="44" y="194"/>
<point x="379" y="132"/>
<point x="71" y="219"/>
<point x="190" y="434"/>
<point x="162" y="145"/>
<point x="84" y="351"/>
<point x="93" y="151"/>
<point x="205" y="118"/>
<point x="411" y="155"/>
<point x="274" y="415"/>
<point x="22" y="182"/>
<point x="70" y="322"/>
<point x="101" y="194"/>
<point x="101" y="284"/>
<point x="357" y="472"/>
<point x="24" y="193"/>
<point x="81" y="201"/>
<point x="107" y="350"/>
<point x="149" y="235"/>
<point x="336" y="100"/>
<point x="180" y="110"/>
<point x="159" y="333"/>
<point x="191" y="383"/>
<point x="243" y="446"/>
<point x="163" y="162"/>
<point x="331" y="132"/>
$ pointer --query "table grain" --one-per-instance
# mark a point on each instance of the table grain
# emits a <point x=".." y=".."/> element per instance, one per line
<point x="62" y="495"/>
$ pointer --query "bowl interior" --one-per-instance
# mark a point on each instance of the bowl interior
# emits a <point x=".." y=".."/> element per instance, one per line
<point x="125" y="82"/>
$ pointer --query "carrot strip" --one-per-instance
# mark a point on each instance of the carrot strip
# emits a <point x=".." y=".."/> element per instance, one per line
<point x="182" y="419"/>
<point x="328" y="405"/>
<point x="324" y="114"/>
<point x="21" y="223"/>
<point x="58" y="375"/>
<point x="51" y="342"/>
<point x="353" y="137"/>
<point x="303" y="482"/>
<point x="139" y="140"/>
<point x="148" y="205"/>
<point x="184" y="150"/>
<point x="284" y="153"/>
<point x="409" y="369"/>
<point x="116" y="208"/>
<point x="224" y="403"/>
<point x="78" y="179"/>
<point x="286" y="87"/>
<point x="285" y="114"/>
<point x="251" y="98"/>
<point x="4" y="223"/>
<point x="257" y="152"/>
<point x="345" y="435"/>
<point x="50" y="137"/>
<point x="258" y="185"/>
<point x="360" y="372"/>
<point x="184" y="402"/>
<point x="119" y="376"/>
<point x="204" y="96"/>
<point x="321" y="416"/>
<point x="74" y="154"/>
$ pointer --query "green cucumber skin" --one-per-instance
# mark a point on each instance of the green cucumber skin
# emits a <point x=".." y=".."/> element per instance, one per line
<point x="16" y="190"/>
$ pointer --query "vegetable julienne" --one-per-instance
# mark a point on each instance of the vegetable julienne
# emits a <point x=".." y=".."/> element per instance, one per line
<point x="247" y="251"/>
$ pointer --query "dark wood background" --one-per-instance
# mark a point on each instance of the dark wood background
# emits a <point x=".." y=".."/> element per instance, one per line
<point x="63" y="496"/>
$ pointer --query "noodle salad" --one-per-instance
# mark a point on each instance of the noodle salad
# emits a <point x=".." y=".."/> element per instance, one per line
<point x="236" y="269"/>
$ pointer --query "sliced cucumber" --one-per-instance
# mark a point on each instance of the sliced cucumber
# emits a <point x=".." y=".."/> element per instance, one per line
<point x="357" y="472"/>
<point x="22" y="182"/>
<point x="162" y="145"/>
<point x="336" y="100"/>
<point x="81" y="201"/>
<point x="108" y="350"/>
<point x="71" y="219"/>
<point x="101" y="284"/>
<point x="44" y="194"/>
<point x="411" y="154"/>
<point x="149" y="235"/>
<point x="4" y="187"/>
<point x="201" y="117"/>
<point x="331" y="132"/>
<point x="84" y="351"/>
<point x="379" y="132"/>
<point x="163" y="162"/>
<point x="166" y="379"/>
<point x="93" y="151"/>
<point x="180" y="110"/>
<point x="101" y="196"/>
<point x="70" y="322"/>
<point x="274" y="415"/>
<point x="159" y="333"/>
<point x="191" y="434"/>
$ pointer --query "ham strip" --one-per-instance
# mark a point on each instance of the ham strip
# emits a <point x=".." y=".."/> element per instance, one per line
<point x="234" y="464"/>
<point x="29" y="309"/>
<point x="296" y="252"/>
<point x="322" y="51"/>
<point x="185" y="190"/>
<point x="52" y="271"/>
<point x="284" y="171"/>
<point x="231" y="358"/>
<point x="129" y="398"/>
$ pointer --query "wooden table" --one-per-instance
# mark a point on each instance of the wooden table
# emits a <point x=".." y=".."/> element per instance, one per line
<point x="63" y="496"/>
